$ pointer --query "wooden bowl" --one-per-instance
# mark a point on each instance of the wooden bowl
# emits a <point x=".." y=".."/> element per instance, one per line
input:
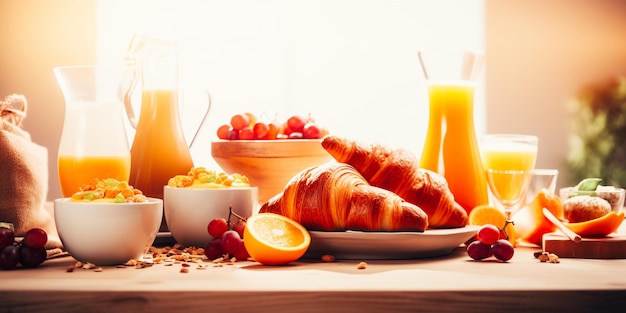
<point x="269" y="164"/>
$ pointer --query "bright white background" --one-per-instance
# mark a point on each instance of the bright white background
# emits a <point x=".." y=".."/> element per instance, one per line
<point x="356" y="57"/>
<point x="351" y="64"/>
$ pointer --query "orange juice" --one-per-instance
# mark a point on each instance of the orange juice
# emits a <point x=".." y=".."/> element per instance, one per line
<point x="451" y="148"/>
<point x="159" y="150"/>
<point x="510" y="164"/>
<point x="76" y="171"/>
<point x="509" y="156"/>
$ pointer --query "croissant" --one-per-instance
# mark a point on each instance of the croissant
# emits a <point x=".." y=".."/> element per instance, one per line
<point x="397" y="170"/>
<point x="335" y="197"/>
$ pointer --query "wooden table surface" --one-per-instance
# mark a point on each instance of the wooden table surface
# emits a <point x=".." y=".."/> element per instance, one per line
<point x="450" y="283"/>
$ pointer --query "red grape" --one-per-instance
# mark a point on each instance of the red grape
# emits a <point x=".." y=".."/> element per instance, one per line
<point x="296" y="123"/>
<point x="9" y="257"/>
<point x="222" y="131"/>
<point x="241" y="253"/>
<point x="31" y="257"/>
<point x="273" y="130"/>
<point x="217" y="227"/>
<point x="261" y="130"/>
<point x="239" y="227"/>
<point x="233" y="134"/>
<point x="246" y="134"/>
<point x="213" y="249"/>
<point x="478" y="250"/>
<point x="230" y="241"/>
<point x="239" y="121"/>
<point x="503" y="250"/>
<point x="35" y="238"/>
<point x="312" y="131"/>
<point x="7" y="237"/>
<point x="488" y="234"/>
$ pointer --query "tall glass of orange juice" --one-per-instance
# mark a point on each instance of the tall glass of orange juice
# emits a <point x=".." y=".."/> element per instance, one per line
<point x="94" y="143"/>
<point x="509" y="160"/>
<point x="451" y="147"/>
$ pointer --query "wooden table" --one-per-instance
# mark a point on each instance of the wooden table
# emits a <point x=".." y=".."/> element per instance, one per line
<point x="442" y="284"/>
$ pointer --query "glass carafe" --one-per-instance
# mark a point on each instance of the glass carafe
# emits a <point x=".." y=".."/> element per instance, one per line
<point x="451" y="147"/>
<point x="159" y="150"/>
<point x="94" y="143"/>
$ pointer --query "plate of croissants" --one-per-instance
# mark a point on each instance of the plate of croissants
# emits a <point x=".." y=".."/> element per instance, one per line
<point x="373" y="202"/>
<point x="351" y="245"/>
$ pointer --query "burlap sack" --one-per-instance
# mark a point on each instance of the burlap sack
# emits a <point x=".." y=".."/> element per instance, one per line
<point x="23" y="174"/>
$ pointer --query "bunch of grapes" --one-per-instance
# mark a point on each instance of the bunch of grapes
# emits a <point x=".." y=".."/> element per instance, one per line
<point x="246" y="126"/>
<point x="490" y="243"/>
<point x="29" y="252"/>
<point x="227" y="238"/>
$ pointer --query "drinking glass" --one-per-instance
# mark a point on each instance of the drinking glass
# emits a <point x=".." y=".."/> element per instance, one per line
<point x="509" y="160"/>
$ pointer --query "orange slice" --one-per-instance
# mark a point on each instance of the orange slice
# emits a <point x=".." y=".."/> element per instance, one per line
<point x="599" y="227"/>
<point x="530" y="222"/>
<point x="486" y="214"/>
<point x="273" y="239"/>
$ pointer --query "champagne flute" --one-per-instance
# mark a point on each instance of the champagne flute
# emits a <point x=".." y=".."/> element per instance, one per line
<point x="509" y="160"/>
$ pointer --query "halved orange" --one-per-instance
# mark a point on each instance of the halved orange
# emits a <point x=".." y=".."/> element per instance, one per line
<point x="273" y="239"/>
<point x="487" y="214"/>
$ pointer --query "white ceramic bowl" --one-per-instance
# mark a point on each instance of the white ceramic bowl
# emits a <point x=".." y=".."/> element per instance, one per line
<point x="107" y="233"/>
<point x="188" y="211"/>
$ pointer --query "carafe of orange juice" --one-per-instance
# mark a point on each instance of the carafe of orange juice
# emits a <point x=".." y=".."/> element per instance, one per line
<point x="451" y="147"/>
<point x="93" y="143"/>
<point x="159" y="150"/>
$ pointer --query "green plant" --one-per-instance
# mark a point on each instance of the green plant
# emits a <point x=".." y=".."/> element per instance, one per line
<point x="597" y="142"/>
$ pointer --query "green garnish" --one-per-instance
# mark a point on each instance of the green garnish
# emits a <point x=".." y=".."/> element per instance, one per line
<point x="588" y="184"/>
<point x="119" y="198"/>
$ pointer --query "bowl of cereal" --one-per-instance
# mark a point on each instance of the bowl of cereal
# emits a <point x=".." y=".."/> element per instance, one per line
<point x="191" y="201"/>
<point x="107" y="230"/>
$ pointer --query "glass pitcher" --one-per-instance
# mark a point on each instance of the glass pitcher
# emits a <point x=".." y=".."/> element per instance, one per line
<point x="93" y="143"/>
<point x="159" y="150"/>
<point x="451" y="147"/>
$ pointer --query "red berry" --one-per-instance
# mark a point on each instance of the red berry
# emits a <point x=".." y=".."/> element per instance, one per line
<point x="222" y="131"/>
<point x="217" y="227"/>
<point x="246" y="134"/>
<point x="312" y="131"/>
<point x="296" y="123"/>
<point x="488" y="234"/>
<point x="261" y="130"/>
<point x="239" y="227"/>
<point x="35" y="238"/>
<point x="503" y="250"/>
<point x="239" y="121"/>
<point x="213" y="249"/>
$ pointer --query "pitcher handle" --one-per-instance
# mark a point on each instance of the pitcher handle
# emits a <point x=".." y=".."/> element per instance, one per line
<point x="204" y="117"/>
<point x="130" y="112"/>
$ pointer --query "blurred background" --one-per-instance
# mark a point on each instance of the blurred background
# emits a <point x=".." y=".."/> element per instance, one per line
<point x="553" y="67"/>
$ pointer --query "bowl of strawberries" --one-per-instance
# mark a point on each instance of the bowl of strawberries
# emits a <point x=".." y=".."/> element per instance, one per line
<point x="269" y="152"/>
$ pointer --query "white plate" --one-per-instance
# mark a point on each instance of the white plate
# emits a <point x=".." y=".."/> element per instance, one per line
<point x="388" y="245"/>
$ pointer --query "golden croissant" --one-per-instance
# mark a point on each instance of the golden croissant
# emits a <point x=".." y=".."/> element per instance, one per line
<point x="335" y="197"/>
<point x="397" y="170"/>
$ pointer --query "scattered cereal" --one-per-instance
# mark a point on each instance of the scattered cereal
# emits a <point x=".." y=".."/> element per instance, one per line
<point x="361" y="266"/>
<point x="328" y="258"/>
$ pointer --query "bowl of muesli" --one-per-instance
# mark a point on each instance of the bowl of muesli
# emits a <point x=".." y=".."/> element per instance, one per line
<point x="107" y="230"/>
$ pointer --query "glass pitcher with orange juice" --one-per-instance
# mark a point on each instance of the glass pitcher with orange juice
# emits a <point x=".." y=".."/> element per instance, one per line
<point x="451" y="147"/>
<point x="159" y="150"/>
<point x="93" y="143"/>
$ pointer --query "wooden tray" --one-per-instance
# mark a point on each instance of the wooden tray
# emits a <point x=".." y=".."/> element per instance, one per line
<point x="612" y="247"/>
